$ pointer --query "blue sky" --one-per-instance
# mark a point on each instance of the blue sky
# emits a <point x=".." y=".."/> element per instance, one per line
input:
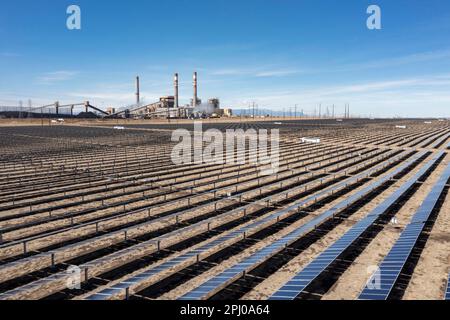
<point x="276" y="53"/>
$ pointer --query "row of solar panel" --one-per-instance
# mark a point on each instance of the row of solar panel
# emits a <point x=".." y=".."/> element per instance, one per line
<point x="299" y="282"/>
<point x="211" y="286"/>
<point x="393" y="263"/>
<point x="242" y="231"/>
<point x="440" y="140"/>
<point x="129" y="230"/>
<point x="107" y="219"/>
<point x="427" y="140"/>
<point x="432" y="138"/>
<point x="235" y="234"/>
<point x="144" y="246"/>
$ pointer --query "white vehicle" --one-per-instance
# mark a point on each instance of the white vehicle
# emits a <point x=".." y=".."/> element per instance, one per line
<point x="400" y="127"/>
<point x="119" y="128"/>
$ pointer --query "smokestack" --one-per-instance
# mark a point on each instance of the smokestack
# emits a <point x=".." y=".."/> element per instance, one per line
<point x="138" y="98"/>
<point x="194" y="101"/>
<point x="175" y="82"/>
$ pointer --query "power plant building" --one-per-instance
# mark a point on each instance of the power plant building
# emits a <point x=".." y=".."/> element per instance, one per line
<point x="169" y="106"/>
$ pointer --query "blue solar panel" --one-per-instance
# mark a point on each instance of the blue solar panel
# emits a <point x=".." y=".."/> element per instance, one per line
<point x="240" y="232"/>
<point x="393" y="263"/>
<point x="299" y="282"/>
<point x="348" y="181"/>
<point x="184" y="258"/>
<point x="105" y="220"/>
<point x="216" y="283"/>
<point x="440" y="140"/>
<point x="427" y="141"/>
<point x="447" y="292"/>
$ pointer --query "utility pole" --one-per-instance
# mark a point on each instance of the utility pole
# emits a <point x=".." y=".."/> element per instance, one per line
<point x="20" y="109"/>
<point x="320" y="111"/>
<point x="168" y="113"/>
<point x="30" y="104"/>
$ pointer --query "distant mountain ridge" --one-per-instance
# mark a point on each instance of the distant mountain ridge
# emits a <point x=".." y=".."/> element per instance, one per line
<point x="264" y="112"/>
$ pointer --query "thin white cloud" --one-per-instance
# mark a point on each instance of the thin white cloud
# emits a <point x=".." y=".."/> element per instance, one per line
<point x="229" y="47"/>
<point x="276" y="73"/>
<point x="117" y="99"/>
<point x="412" y="58"/>
<point x="230" y="72"/>
<point x="255" y="72"/>
<point x="57" y="76"/>
<point x="9" y="55"/>
<point x="421" y="96"/>
<point x="103" y="95"/>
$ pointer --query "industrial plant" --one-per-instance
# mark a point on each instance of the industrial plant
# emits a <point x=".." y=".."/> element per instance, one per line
<point x="168" y="107"/>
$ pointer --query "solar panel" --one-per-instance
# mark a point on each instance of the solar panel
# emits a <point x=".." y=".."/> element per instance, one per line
<point x="447" y="292"/>
<point x="145" y="245"/>
<point x="105" y="220"/>
<point x="440" y="140"/>
<point x="393" y="263"/>
<point x="427" y="141"/>
<point x="240" y="232"/>
<point x="216" y="283"/>
<point x="299" y="282"/>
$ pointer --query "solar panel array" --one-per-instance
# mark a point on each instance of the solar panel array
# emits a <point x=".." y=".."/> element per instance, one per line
<point x="124" y="232"/>
<point x="216" y="283"/>
<point x="104" y="221"/>
<point x="394" y="262"/>
<point x="300" y="281"/>
<point x="447" y="292"/>
<point x="434" y="144"/>
<point x="426" y="141"/>
<point x="440" y="140"/>
<point x="237" y="234"/>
